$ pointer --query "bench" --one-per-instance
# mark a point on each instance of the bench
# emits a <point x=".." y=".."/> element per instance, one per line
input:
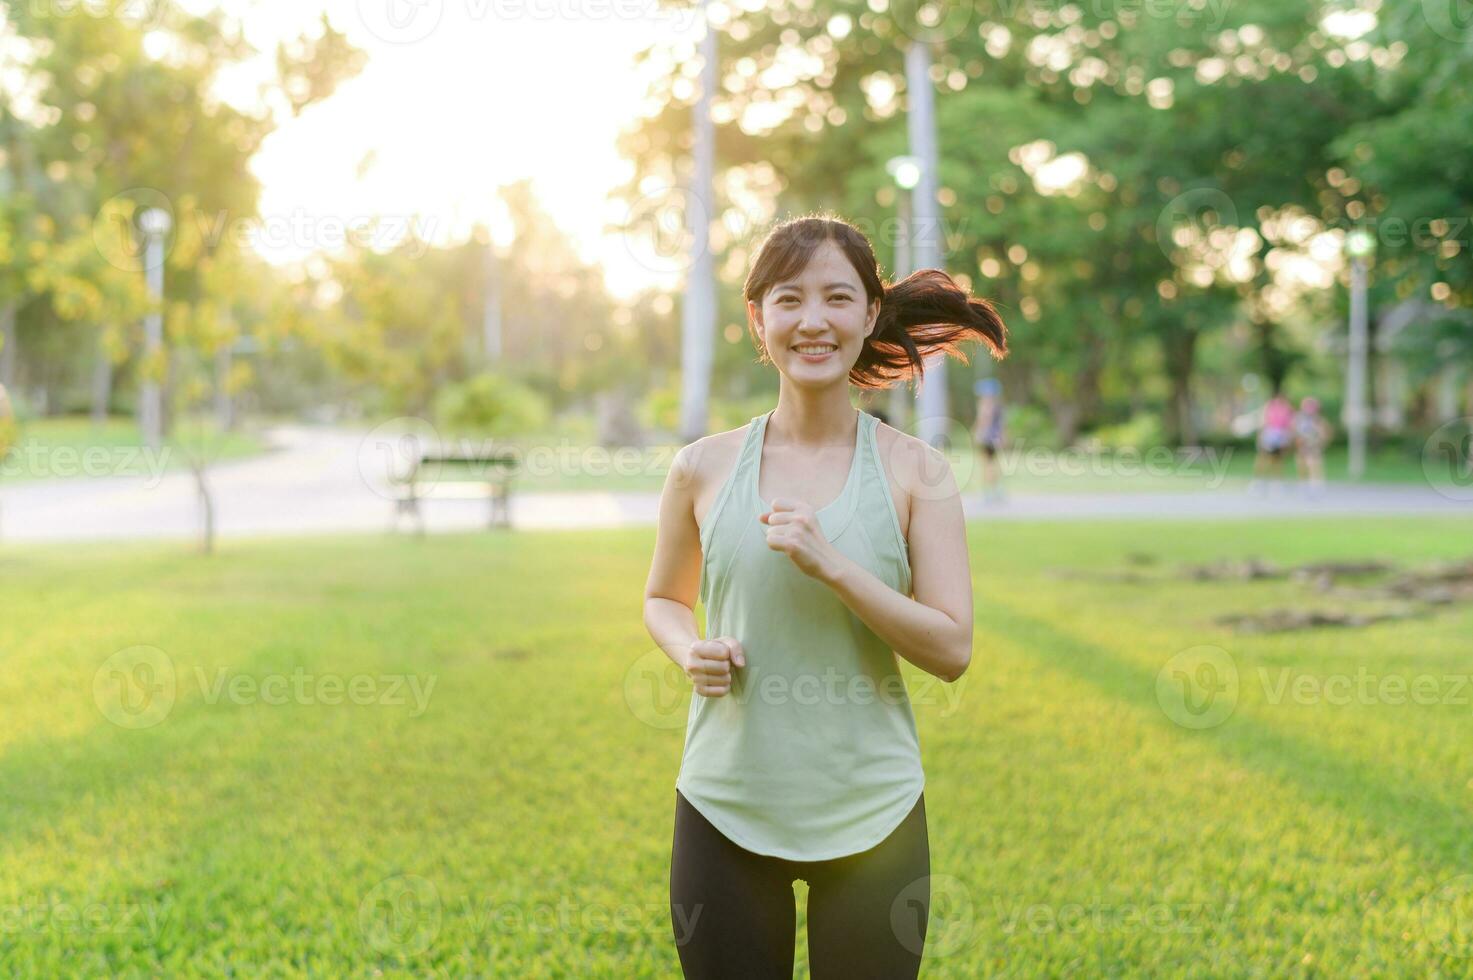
<point x="490" y="473"/>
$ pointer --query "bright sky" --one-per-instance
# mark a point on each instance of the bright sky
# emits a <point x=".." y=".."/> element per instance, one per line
<point x="458" y="97"/>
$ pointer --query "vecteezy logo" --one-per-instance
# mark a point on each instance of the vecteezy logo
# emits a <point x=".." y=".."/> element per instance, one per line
<point x="401" y="21"/>
<point x="934" y="476"/>
<point x="1447" y="459"/>
<point x="400" y="914"/>
<point x="1200" y="207"/>
<point x="136" y="687"/>
<point x="1198" y="688"/>
<point x="952" y="915"/>
<point x="657" y="231"/>
<point x="654" y="688"/>
<point x="1452" y="19"/>
<point x="118" y="236"/>
<point x="392" y="455"/>
<point x="931" y="21"/>
<point x="1447" y="916"/>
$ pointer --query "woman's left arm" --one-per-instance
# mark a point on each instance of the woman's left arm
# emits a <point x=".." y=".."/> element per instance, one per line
<point x="932" y="630"/>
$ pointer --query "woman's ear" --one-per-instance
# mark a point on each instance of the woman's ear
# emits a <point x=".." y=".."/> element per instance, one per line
<point x="874" y="317"/>
<point x="754" y="315"/>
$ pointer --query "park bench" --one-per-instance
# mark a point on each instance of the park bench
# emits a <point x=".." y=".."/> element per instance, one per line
<point x="457" y="471"/>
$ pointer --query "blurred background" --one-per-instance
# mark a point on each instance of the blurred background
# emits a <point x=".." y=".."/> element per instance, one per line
<point x="345" y="346"/>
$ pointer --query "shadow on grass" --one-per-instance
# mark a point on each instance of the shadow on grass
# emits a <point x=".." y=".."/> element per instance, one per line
<point x="1428" y="820"/>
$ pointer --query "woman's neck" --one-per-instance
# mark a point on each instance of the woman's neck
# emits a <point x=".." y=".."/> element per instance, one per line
<point x="816" y="419"/>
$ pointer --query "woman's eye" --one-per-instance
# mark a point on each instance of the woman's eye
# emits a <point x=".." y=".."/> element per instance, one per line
<point x="839" y="297"/>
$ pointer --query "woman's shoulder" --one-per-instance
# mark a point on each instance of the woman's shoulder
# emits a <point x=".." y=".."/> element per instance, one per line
<point x="911" y="467"/>
<point x="902" y="452"/>
<point x="707" y="459"/>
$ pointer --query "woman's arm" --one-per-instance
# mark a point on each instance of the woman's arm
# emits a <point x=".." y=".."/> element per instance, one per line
<point x="670" y="592"/>
<point x="675" y="571"/>
<point x="932" y="630"/>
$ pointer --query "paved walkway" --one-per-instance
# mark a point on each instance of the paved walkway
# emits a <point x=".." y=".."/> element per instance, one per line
<point x="321" y="480"/>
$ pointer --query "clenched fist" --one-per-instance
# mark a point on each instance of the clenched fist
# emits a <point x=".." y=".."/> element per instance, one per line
<point x="793" y="528"/>
<point x="709" y="664"/>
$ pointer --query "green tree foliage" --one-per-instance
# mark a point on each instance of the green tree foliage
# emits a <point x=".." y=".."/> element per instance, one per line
<point x="1127" y="182"/>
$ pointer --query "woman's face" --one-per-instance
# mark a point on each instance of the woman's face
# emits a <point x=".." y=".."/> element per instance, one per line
<point x="824" y="310"/>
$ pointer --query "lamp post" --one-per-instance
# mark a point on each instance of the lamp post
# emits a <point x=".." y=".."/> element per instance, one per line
<point x="1360" y="245"/>
<point x="155" y="224"/>
<point x="906" y="172"/>
<point x="921" y="123"/>
<point x="698" y="314"/>
<point x="499" y="236"/>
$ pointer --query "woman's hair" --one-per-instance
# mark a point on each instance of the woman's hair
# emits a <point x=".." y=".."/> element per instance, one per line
<point x="925" y="313"/>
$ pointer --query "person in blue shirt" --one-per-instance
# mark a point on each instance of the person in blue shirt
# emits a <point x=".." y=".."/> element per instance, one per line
<point x="987" y="433"/>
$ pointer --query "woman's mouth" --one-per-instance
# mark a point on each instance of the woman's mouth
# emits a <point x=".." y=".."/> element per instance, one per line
<point x="814" y="352"/>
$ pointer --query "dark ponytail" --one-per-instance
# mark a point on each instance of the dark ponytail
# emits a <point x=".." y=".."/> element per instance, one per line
<point x="925" y="313"/>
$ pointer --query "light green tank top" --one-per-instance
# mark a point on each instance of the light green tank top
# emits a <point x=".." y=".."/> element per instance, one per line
<point x="813" y="753"/>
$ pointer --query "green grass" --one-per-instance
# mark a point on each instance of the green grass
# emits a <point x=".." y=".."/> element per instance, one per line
<point x="1075" y="828"/>
<point x="73" y="446"/>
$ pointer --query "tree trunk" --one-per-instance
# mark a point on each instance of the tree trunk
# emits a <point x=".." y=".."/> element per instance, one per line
<point x="224" y="401"/>
<point x="1274" y="360"/>
<point x="206" y="508"/>
<point x="9" y="351"/>
<point x="1180" y="350"/>
<point x="102" y="384"/>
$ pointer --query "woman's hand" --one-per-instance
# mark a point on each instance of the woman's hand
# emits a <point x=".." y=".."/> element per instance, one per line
<point x="792" y="527"/>
<point x="709" y="664"/>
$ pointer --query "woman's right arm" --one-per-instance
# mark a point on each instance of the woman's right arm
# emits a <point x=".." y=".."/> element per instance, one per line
<point x="675" y="572"/>
<point x="674" y="582"/>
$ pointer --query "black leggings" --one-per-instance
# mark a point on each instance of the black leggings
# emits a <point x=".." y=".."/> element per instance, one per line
<point x="734" y="913"/>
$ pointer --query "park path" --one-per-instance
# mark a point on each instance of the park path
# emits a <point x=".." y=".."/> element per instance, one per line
<point x="323" y="480"/>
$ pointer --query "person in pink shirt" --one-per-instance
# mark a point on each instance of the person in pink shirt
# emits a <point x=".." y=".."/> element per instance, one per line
<point x="1274" y="439"/>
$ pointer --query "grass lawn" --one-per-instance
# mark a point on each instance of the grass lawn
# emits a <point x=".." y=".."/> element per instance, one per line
<point x="496" y="797"/>
<point x="72" y="446"/>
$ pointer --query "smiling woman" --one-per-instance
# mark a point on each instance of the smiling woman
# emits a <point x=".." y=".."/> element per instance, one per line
<point x="821" y="558"/>
<point x="923" y="314"/>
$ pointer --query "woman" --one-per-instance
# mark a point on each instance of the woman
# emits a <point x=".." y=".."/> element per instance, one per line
<point x="805" y="534"/>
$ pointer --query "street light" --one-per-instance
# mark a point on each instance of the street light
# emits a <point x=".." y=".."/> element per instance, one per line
<point x="906" y="172"/>
<point x="920" y="118"/>
<point x="155" y="224"/>
<point x="1360" y="245"/>
<point x="499" y="236"/>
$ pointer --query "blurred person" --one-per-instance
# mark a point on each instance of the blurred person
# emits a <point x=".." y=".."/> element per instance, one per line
<point x="1275" y="436"/>
<point x="819" y="551"/>
<point x="987" y="433"/>
<point x="1312" y="433"/>
<point x="7" y="422"/>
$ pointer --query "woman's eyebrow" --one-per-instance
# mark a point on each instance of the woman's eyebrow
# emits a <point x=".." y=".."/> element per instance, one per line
<point x="832" y="285"/>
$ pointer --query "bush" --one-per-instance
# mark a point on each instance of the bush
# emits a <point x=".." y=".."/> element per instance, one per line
<point x="660" y="409"/>
<point x="490" y="404"/>
<point x="1143" y="431"/>
<point x="1028" y="425"/>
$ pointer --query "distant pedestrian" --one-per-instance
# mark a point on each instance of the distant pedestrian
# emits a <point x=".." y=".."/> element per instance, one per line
<point x="1312" y="432"/>
<point x="987" y="433"/>
<point x="1275" y="436"/>
<point x="7" y="423"/>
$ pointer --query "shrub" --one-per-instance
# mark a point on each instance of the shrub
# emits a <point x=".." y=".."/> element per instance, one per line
<point x="490" y="404"/>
